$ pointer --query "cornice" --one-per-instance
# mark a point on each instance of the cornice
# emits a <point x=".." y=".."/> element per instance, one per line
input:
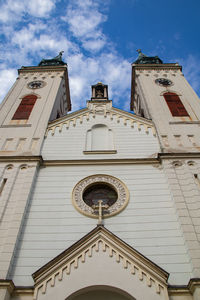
<point x="22" y="159"/>
<point x="156" y="66"/>
<point x="100" y="152"/>
<point x="184" y="289"/>
<point x="34" y="69"/>
<point x="184" y="155"/>
<point x="116" y="161"/>
<point x="58" y="162"/>
<point x="7" y="284"/>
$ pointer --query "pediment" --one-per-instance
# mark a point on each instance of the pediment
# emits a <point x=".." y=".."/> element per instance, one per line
<point x="108" y="112"/>
<point x="104" y="245"/>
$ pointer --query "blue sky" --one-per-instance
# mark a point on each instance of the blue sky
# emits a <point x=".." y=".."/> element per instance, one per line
<point x="100" y="39"/>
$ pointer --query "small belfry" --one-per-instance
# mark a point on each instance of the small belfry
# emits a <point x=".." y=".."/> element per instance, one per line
<point x="99" y="92"/>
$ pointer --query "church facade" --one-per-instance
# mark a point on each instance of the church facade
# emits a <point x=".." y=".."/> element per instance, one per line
<point x="100" y="203"/>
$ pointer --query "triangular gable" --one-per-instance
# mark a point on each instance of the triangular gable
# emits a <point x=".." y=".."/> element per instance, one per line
<point x="87" y="114"/>
<point x="101" y="240"/>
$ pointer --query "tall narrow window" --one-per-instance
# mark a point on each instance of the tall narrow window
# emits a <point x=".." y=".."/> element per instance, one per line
<point x="175" y="105"/>
<point x="24" y="109"/>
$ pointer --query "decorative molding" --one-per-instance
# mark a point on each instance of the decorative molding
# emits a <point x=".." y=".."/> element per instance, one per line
<point x="13" y="290"/>
<point x="100" y="239"/>
<point x="159" y="67"/>
<point x="58" y="162"/>
<point x="39" y="69"/>
<point x="184" y="122"/>
<point x="86" y="115"/>
<point x="21" y="159"/>
<point x="100" y="152"/>
<point x="15" y="125"/>
<point x="184" y="290"/>
<point x="118" y="185"/>
<point x="185" y="155"/>
<point x="7" y="285"/>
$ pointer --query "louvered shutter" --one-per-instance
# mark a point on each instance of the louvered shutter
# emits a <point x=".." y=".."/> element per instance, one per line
<point x="175" y="105"/>
<point x="24" y="109"/>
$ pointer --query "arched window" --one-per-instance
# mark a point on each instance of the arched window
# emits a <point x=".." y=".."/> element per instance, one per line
<point x="24" y="109"/>
<point x="175" y="105"/>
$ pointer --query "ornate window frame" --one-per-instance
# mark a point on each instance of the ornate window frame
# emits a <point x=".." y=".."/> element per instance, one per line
<point x="115" y="183"/>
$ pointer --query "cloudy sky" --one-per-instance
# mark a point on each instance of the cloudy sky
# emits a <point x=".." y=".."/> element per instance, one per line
<point x="99" y="39"/>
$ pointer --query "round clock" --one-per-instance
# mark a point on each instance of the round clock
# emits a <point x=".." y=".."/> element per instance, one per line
<point x="163" y="81"/>
<point x="37" y="84"/>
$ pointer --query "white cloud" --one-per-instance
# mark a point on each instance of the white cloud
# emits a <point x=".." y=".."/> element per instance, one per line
<point x="108" y="68"/>
<point x="40" y="8"/>
<point x="7" y="77"/>
<point x="94" y="45"/>
<point x="13" y="10"/>
<point x="84" y="20"/>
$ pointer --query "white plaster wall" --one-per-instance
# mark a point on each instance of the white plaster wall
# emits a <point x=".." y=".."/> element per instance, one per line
<point x="149" y="223"/>
<point x="184" y="179"/>
<point x="129" y="142"/>
<point x="13" y="202"/>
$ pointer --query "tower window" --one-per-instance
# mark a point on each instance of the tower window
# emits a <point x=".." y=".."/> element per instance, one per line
<point x="175" y="105"/>
<point x="24" y="109"/>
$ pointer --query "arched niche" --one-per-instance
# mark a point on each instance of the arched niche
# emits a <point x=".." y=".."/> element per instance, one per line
<point x="99" y="138"/>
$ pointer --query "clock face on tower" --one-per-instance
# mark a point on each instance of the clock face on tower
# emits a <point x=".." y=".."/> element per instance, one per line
<point x="163" y="81"/>
<point x="36" y="84"/>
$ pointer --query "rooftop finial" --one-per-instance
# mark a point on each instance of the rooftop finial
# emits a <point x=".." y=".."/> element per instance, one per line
<point x="143" y="59"/>
<point x="56" y="61"/>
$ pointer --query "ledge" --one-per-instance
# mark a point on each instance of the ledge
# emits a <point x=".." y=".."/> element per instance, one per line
<point x="16" y="158"/>
<point x="184" y="122"/>
<point x="101" y="161"/>
<point x="100" y="152"/>
<point x="15" y="125"/>
<point x="178" y="155"/>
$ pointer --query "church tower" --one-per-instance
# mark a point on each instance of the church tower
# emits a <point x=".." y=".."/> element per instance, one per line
<point x="160" y="92"/>
<point x="39" y="95"/>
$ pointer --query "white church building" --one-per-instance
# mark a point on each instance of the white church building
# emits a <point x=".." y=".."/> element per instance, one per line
<point x="100" y="203"/>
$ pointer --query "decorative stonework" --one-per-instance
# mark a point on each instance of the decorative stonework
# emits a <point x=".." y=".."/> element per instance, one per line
<point x="100" y="240"/>
<point x="118" y="185"/>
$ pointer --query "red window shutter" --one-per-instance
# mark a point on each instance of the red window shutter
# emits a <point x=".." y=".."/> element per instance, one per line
<point x="24" y="109"/>
<point x="175" y="105"/>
